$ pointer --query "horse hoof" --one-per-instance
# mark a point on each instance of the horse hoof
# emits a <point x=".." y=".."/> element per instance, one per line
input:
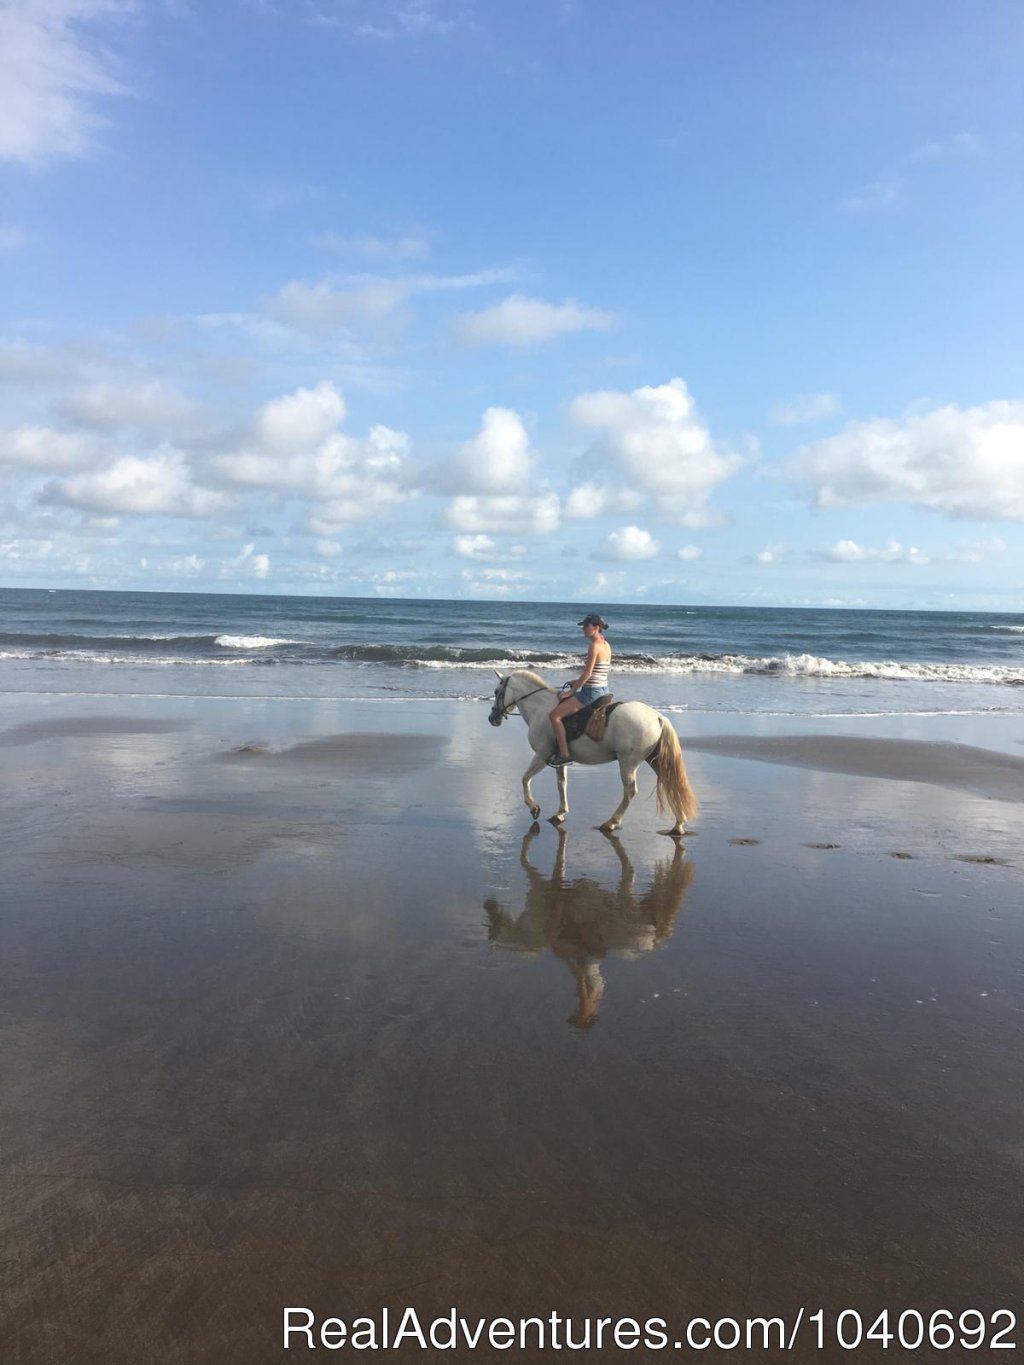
<point x="556" y="819"/>
<point x="609" y="826"/>
<point x="535" y="811"/>
<point x="674" y="833"/>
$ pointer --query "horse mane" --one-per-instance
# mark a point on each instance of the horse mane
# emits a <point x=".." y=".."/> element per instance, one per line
<point x="534" y="678"/>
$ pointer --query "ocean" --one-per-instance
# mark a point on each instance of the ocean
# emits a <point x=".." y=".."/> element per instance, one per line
<point x="739" y="660"/>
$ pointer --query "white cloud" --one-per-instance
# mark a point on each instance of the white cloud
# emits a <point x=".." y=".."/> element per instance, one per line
<point x="595" y="500"/>
<point x="522" y="321"/>
<point x="53" y="71"/>
<point x="970" y="552"/>
<point x="395" y="19"/>
<point x="24" y="362"/>
<point x="474" y="547"/>
<point x="320" y="308"/>
<point x="661" y="443"/>
<point x="408" y="247"/>
<point x="187" y="566"/>
<point x="880" y="194"/>
<point x="771" y="554"/>
<point x="145" y="404"/>
<point x="498" y="459"/>
<point x="298" y="451"/>
<point x="158" y="485"/>
<point x="849" y="552"/>
<point x="959" y="145"/>
<point x="493" y="582"/>
<point x="363" y="303"/>
<point x="43" y="448"/>
<point x="689" y="553"/>
<point x="514" y="513"/>
<point x="632" y="542"/>
<point x="967" y="463"/>
<point x="301" y="419"/>
<point x="807" y="407"/>
<point x="247" y="564"/>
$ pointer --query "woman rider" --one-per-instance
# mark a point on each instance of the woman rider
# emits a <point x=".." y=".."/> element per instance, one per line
<point x="591" y="684"/>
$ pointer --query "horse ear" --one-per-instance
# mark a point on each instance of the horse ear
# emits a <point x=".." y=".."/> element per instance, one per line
<point x="497" y="675"/>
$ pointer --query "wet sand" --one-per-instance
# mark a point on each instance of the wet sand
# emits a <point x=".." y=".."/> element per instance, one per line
<point x="299" y="1012"/>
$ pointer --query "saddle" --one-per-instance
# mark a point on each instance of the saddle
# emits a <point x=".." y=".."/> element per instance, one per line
<point x="591" y="720"/>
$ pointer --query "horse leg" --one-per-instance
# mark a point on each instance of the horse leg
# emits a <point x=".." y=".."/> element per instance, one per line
<point x="563" y="797"/>
<point x="627" y="768"/>
<point x="538" y="763"/>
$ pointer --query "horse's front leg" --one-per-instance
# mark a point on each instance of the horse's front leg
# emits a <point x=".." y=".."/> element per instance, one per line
<point x="628" y="773"/>
<point x="531" y="772"/>
<point x="563" y="797"/>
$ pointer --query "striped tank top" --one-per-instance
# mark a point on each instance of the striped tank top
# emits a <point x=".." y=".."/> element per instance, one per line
<point x="599" y="677"/>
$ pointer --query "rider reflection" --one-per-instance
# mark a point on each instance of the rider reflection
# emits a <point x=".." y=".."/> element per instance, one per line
<point x="581" y="922"/>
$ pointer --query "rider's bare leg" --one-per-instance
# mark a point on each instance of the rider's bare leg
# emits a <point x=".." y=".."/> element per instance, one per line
<point x="564" y="708"/>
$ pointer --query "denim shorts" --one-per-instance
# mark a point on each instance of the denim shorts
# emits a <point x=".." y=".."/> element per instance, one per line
<point x="588" y="693"/>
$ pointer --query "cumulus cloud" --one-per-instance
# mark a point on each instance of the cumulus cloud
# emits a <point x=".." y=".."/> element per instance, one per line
<point x="157" y="485"/>
<point x="141" y="405"/>
<point x="771" y="554"/>
<point x="807" y="407"/>
<point x="521" y="321"/>
<point x="301" y="419"/>
<point x="967" y="463"/>
<point x="497" y="460"/>
<point x="474" y="547"/>
<point x="53" y="72"/>
<point x="44" y="449"/>
<point x="660" y="442"/>
<point x="632" y="542"/>
<point x="517" y="514"/>
<point x="689" y="553"/>
<point x="594" y="500"/>
<point x="849" y="552"/>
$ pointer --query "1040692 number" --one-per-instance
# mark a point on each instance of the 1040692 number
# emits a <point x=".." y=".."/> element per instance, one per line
<point x="942" y="1329"/>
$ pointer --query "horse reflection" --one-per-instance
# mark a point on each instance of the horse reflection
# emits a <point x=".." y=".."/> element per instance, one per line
<point x="581" y="922"/>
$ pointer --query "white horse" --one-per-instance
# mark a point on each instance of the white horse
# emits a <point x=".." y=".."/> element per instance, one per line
<point x="635" y="734"/>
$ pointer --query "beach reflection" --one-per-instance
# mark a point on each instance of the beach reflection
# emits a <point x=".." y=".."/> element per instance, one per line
<point x="581" y="922"/>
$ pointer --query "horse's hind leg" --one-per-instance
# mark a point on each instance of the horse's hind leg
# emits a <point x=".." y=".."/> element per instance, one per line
<point x="531" y="772"/>
<point x="627" y="768"/>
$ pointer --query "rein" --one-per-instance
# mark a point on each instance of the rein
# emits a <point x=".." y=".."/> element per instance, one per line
<point x="506" y="711"/>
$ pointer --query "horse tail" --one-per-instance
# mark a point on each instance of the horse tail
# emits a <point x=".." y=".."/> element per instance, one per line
<point x="674" y="788"/>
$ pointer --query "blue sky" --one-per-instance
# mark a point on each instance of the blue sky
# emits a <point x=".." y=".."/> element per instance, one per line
<point x="683" y="302"/>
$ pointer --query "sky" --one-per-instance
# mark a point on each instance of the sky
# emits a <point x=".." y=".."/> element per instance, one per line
<point x="696" y="301"/>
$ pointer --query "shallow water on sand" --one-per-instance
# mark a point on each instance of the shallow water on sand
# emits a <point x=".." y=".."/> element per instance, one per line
<point x="296" y="1012"/>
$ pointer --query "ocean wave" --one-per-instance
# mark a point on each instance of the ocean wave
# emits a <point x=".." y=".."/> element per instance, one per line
<point x="1016" y="630"/>
<point x="270" y="651"/>
<point x="250" y="641"/>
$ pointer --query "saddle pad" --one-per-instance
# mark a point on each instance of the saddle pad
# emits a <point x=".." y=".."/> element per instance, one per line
<point x="579" y="721"/>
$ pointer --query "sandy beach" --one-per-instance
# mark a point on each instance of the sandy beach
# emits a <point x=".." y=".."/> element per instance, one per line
<point x="298" y="1009"/>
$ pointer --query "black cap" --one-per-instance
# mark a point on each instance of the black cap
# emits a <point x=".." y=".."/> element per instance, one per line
<point x="592" y="619"/>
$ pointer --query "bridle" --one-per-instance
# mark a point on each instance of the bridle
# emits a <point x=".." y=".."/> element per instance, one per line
<point x="505" y="709"/>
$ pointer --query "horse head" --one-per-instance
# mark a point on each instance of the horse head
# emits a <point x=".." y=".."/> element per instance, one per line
<point x="499" y="710"/>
